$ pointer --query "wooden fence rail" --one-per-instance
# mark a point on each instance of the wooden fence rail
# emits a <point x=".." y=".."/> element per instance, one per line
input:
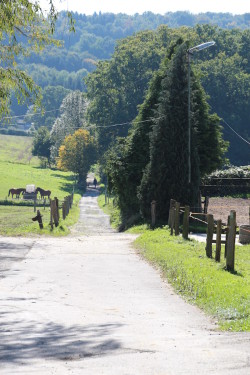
<point x="175" y="211"/>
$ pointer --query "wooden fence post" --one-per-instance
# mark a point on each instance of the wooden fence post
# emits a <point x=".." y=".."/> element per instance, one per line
<point x="186" y="223"/>
<point x="54" y="212"/>
<point x="57" y="208"/>
<point x="51" y="216"/>
<point x="231" y="242"/>
<point x="66" y="200"/>
<point x="210" y="231"/>
<point x="172" y="204"/>
<point x="218" y="241"/>
<point x="63" y="210"/>
<point x="172" y="211"/>
<point x="38" y="218"/>
<point x="177" y="219"/>
<point x="153" y="212"/>
<point x="206" y="205"/>
<point x="228" y="222"/>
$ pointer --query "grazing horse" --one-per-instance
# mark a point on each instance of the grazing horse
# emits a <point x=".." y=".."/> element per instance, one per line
<point x="43" y="193"/>
<point x="16" y="192"/>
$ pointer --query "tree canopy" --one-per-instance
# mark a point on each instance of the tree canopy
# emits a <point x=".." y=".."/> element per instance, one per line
<point x="118" y="86"/>
<point x="23" y="28"/>
<point x="77" y="154"/>
<point x="42" y="144"/>
<point x="72" y="117"/>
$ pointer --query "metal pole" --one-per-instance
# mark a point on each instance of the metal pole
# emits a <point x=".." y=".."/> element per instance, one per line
<point x="189" y="120"/>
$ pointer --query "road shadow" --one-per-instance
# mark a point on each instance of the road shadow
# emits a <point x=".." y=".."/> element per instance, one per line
<point x="12" y="252"/>
<point x="23" y="342"/>
<point x="91" y="192"/>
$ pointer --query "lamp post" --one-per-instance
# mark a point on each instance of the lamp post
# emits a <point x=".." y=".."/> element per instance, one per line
<point x="190" y="52"/>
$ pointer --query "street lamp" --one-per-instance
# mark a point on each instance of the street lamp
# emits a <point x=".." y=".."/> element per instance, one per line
<point x="190" y="52"/>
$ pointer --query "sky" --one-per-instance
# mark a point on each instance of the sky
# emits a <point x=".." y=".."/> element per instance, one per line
<point x="155" y="6"/>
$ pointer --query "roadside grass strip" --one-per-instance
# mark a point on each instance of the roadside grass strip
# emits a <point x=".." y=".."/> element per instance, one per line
<point x="111" y="210"/>
<point x="202" y="281"/>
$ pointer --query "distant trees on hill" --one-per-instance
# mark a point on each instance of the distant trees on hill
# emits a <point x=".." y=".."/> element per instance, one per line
<point x="95" y="38"/>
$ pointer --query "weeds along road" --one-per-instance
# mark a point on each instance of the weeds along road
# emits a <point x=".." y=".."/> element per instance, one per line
<point x="88" y="304"/>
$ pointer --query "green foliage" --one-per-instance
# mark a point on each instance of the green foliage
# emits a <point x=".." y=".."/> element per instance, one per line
<point x="52" y="97"/>
<point x="42" y="144"/>
<point x="118" y="87"/>
<point x="154" y="156"/>
<point x="21" y="20"/>
<point x="227" y="82"/>
<point x="201" y="280"/>
<point x="72" y="117"/>
<point x="166" y="175"/>
<point x="77" y="154"/>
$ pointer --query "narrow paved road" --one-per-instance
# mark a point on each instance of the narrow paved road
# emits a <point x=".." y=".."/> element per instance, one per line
<point x="87" y="304"/>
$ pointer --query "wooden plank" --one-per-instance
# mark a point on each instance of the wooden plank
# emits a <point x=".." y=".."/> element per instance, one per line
<point x="228" y="220"/>
<point x="218" y="241"/>
<point x="172" y="211"/>
<point x="186" y="223"/>
<point x="172" y="204"/>
<point x="231" y="242"/>
<point x="177" y="219"/>
<point x="210" y="231"/>
<point x="153" y="213"/>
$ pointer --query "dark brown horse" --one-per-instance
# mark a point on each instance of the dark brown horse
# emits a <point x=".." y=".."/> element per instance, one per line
<point x="43" y="193"/>
<point x="16" y="192"/>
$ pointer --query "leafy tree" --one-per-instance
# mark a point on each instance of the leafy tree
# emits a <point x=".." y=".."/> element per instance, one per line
<point x="52" y="97"/>
<point x="228" y="86"/>
<point x="118" y="86"/>
<point x="77" y="154"/>
<point x="21" y="20"/>
<point x="42" y="144"/>
<point x="73" y="116"/>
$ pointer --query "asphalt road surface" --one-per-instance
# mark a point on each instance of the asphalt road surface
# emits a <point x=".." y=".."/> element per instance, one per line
<point x="88" y="304"/>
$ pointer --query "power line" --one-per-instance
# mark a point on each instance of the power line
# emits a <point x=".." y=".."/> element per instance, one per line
<point x="243" y="139"/>
<point x="30" y="114"/>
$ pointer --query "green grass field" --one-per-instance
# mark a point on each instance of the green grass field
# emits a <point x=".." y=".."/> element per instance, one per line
<point x="17" y="150"/>
<point x="17" y="169"/>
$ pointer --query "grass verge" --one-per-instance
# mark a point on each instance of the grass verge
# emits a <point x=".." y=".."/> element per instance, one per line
<point x="200" y="280"/>
<point x="110" y="209"/>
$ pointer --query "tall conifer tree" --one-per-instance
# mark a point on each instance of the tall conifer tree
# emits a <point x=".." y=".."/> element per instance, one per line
<point x="166" y="175"/>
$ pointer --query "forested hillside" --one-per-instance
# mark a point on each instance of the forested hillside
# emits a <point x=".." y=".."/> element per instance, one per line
<point x="95" y="38"/>
<point x="120" y="75"/>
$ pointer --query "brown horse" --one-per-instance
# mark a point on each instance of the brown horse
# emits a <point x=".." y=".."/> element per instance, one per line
<point x="16" y="192"/>
<point x="43" y="193"/>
